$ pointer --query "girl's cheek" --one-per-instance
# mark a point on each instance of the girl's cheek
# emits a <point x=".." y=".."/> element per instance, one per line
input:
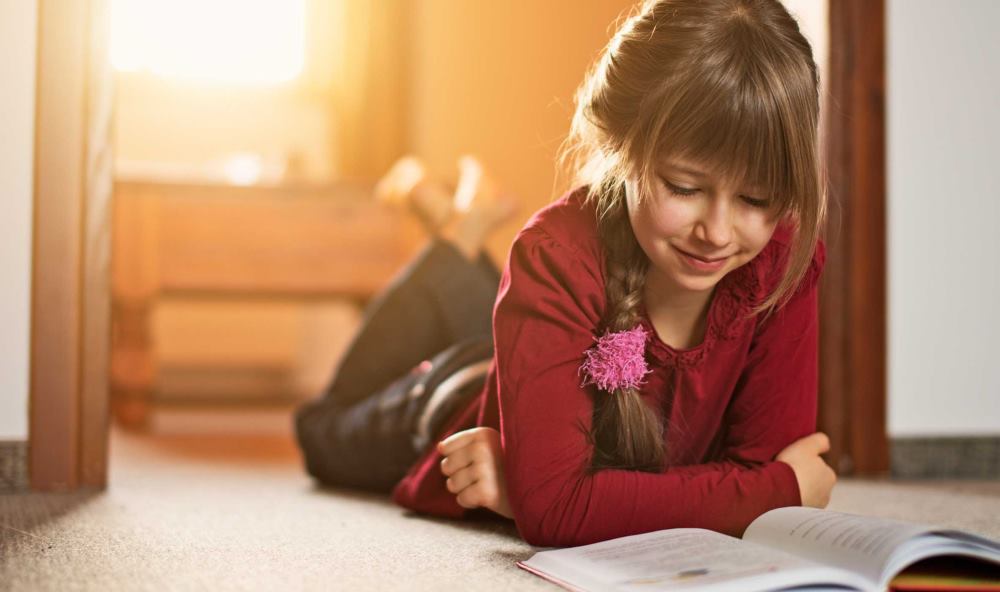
<point x="762" y="228"/>
<point x="669" y="216"/>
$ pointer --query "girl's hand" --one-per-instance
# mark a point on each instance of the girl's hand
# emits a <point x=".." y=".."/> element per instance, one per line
<point x="815" y="477"/>
<point x="473" y="462"/>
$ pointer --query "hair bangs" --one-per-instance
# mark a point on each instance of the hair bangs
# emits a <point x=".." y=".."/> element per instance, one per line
<point x="730" y="123"/>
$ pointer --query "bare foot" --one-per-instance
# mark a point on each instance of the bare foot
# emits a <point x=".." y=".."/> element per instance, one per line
<point x="407" y="184"/>
<point x="479" y="208"/>
<point x="431" y="202"/>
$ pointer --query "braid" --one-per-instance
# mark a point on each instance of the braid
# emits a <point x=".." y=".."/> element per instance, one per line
<point x="626" y="433"/>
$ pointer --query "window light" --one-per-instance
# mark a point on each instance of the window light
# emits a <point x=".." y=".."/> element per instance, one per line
<point x="227" y="41"/>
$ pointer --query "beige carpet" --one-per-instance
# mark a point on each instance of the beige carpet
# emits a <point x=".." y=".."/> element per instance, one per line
<point x="238" y="514"/>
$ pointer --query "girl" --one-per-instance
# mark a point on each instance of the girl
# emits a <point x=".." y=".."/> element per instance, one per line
<point x="654" y="329"/>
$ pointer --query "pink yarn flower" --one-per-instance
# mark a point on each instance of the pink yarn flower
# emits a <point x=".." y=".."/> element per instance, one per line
<point x="617" y="361"/>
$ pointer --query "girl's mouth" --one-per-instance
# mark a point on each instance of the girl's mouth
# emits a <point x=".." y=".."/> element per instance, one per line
<point x="700" y="264"/>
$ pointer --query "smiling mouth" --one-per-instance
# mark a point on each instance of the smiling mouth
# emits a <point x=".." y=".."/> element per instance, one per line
<point x="693" y="256"/>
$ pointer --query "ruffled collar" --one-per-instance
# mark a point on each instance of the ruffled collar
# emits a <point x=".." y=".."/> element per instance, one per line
<point x="728" y="314"/>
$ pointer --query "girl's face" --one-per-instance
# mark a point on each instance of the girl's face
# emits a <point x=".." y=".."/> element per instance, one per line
<point x="694" y="229"/>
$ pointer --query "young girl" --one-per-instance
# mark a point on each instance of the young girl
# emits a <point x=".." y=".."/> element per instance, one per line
<point x="654" y="359"/>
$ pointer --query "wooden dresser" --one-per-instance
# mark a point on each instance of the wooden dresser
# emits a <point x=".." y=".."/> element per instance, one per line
<point x="208" y="255"/>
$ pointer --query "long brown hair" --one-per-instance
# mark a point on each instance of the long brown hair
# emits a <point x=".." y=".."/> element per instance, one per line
<point x="729" y="83"/>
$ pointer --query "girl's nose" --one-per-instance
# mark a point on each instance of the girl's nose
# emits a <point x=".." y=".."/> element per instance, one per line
<point x="715" y="228"/>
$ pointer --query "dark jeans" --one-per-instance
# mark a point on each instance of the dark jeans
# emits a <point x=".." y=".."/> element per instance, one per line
<point x="358" y="433"/>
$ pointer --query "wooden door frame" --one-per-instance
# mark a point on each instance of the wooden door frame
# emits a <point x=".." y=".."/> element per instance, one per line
<point x="853" y="391"/>
<point x="70" y="322"/>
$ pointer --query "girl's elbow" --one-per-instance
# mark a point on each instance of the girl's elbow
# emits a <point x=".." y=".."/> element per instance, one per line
<point x="541" y="523"/>
<point x="539" y="535"/>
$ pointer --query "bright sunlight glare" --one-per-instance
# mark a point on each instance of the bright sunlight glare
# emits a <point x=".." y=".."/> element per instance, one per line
<point x="228" y="41"/>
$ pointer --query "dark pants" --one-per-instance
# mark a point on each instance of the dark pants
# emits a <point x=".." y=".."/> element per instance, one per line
<point x="358" y="434"/>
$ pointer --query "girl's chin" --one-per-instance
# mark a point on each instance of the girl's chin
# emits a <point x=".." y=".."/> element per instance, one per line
<point x="698" y="284"/>
<point x="695" y="282"/>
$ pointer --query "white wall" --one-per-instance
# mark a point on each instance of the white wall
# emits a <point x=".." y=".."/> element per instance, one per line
<point x="17" y="121"/>
<point x="814" y="22"/>
<point x="943" y="94"/>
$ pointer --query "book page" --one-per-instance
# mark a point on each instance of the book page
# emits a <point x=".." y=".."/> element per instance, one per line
<point x="679" y="559"/>
<point x="861" y="544"/>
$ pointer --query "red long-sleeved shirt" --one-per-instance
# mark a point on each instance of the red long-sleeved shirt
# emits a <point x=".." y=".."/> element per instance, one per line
<point x="731" y="403"/>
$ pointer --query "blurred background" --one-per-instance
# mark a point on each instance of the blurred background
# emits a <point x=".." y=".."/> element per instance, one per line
<point x="246" y="240"/>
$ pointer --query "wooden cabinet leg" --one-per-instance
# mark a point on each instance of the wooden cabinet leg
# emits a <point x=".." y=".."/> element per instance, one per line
<point x="133" y="364"/>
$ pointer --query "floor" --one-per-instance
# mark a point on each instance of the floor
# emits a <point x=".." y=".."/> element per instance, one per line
<point x="237" y="513"/>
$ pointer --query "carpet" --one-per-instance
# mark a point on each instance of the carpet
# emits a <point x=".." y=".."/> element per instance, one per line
<point x="238" y="513"/>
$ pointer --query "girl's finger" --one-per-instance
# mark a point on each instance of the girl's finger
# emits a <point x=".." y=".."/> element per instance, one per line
<point x="477" y="485"/>
<point x="462" y="479"/>
<point x="820" y="443"/>
<point x="462" y="458"/>
<point x="456" y="441"/>
<point x="470" y="497"/>
<point x="458" y="460"/>
<point x="483" y="492"/>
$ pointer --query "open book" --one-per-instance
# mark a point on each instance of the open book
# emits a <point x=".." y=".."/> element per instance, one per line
<point x="793" y="547"/>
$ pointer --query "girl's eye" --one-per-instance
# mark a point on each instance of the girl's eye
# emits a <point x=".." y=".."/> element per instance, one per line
<point x="686" y="191"/>
<point x="757" y="203"/>
<point x="679" y="190"/>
